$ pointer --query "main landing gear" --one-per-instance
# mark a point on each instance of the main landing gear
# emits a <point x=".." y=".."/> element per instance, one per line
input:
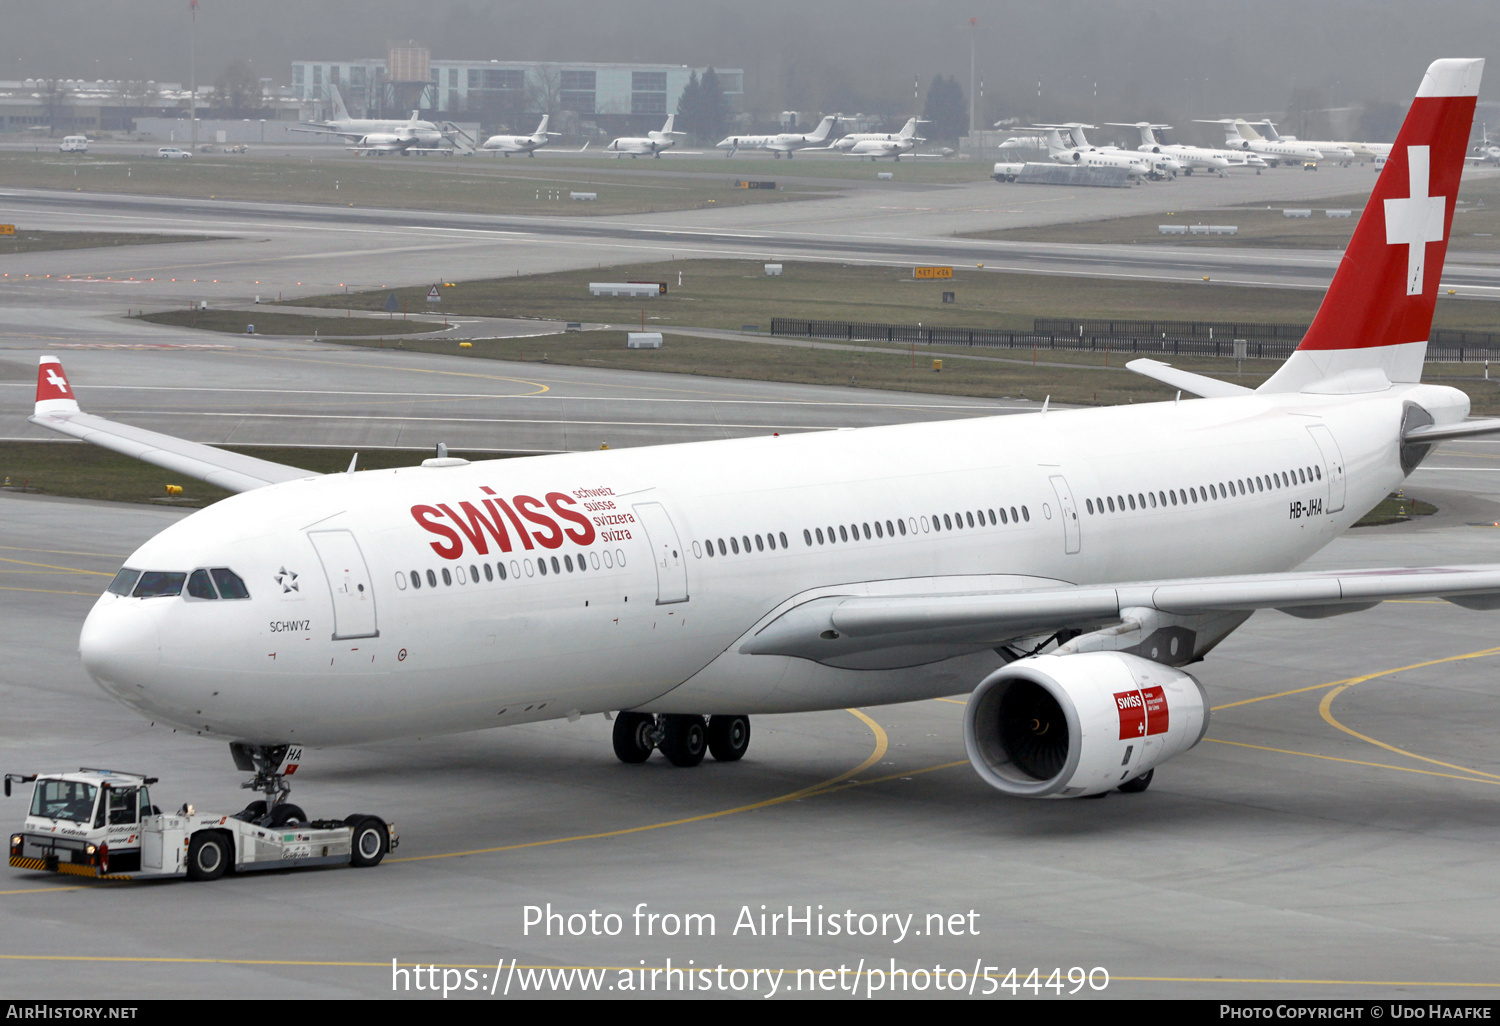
<point x="683" y="739"/>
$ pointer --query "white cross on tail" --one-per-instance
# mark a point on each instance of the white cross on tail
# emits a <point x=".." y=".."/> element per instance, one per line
<point x="1416" y="221"/>
<point x="56" y="381"/>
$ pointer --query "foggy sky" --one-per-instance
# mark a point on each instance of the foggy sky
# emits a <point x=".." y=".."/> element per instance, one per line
<point x="1149" y="58"/>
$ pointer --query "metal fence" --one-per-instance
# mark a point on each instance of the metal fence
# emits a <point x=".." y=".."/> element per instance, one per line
<point x="1446" y="346"/>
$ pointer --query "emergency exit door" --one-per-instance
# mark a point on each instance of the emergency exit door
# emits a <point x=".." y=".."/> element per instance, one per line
<point x="349" y="581"/>
<point x="1069" y="511"/>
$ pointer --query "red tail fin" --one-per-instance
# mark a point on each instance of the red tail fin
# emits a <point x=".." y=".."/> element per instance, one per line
<point x="52" y="392"/>
<point x="1377" y="314"/>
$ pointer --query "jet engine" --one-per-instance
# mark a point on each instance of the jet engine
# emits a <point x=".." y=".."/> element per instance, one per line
<point x="1066" y="726"/>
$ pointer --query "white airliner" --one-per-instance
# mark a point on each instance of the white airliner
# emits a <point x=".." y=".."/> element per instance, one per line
<point x="1238" y="135"/>
<point x="1060" y="152"/>
<point x="1191" y="158"/>
<point x="787" y="142"/>
<point x="529" y="144"/>
<point x="650" y="145"/>
<point x="1062" y="567"/>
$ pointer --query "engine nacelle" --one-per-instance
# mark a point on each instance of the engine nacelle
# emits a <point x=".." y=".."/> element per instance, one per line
<point x="1065" y="726"/>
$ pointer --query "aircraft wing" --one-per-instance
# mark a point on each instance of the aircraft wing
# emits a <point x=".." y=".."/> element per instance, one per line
<point x="57" y="409"/>
<point x="322" y="130"/>
<point x="855" y="630"/>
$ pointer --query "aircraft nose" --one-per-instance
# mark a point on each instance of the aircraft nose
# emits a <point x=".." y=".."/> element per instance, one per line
<point x="121" y="646"/>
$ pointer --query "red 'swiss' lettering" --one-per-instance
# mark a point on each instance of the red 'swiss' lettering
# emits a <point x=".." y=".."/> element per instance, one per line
<point x="484" y="526"/>
<point x="1142" y="712"/>
<point x="424" y="515"/>
<point x="530" y="509"/>
<point x="478" y="525"/>
<point x="582" y="537"/>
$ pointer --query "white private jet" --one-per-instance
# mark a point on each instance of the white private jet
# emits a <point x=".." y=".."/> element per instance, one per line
<point x="1191" y="158"/>
<point x="1060" y="152"/>
<point x="1486" y="152"/>
<point x="1161" y="165"/>
<point x="1332" y="150"/>
<point x="786" y="143"/>
<point x="528" y="144"/>
<point x="358" y="130"/>
<point x="410" y="137"/>
<point x="1061" y="568"/>
<point x="876" y="145"/>
<point x="1238" y="135"/>
<point x="652" y="144"/>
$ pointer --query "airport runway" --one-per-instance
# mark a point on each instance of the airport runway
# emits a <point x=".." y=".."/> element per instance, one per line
<point x="1334" y="836"/>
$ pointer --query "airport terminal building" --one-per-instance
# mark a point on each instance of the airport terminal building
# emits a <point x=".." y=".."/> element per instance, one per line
<point x="612" y="95"/>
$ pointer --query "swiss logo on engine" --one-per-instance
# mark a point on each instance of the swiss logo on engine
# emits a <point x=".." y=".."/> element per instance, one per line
<point x="1142" y="712"/>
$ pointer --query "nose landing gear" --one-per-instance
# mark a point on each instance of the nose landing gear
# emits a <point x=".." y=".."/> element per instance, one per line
<point x="272" y="764"/>
<point x="683" y="739"/>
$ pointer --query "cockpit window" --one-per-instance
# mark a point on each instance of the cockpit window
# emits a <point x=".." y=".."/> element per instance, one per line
<point x="63" y="799"/>
<point x="231" y="585"/>
<point x="200" y="587"/>
<point x="159" y="583"/>
<point x="124" y="581"/>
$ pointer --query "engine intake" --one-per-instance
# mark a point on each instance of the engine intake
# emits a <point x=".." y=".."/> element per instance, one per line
<point x="1065" y="726"/>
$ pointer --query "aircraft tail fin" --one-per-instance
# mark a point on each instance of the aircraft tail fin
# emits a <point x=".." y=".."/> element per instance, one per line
<point x="1243" y="129"/>
<point x="666" y="129"/>
<point x="909" y="129"/>
<point x="53" y="394"/>
<point x="340" y="112"/>
<point x="1375" y="319"/>
<point x="824" y="127"/>
<point x="541" y="129"/>
<point x="1268" y="130"/>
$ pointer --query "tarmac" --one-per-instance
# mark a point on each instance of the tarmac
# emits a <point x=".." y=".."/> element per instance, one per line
<point x="1332" y="837"/>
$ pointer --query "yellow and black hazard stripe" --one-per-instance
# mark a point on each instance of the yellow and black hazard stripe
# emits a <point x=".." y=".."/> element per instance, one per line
<point x="67" y="868"/>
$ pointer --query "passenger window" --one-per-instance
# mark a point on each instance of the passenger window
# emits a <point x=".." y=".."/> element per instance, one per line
<point x="541" y="566"/>
<point x="500" y="569"/>
<point x="843" y="533"/>
<point x="1163" y="499"/>
<point x="969" y="517"/>
<point x="866" y="528"/>
<point x="458" y="572"/>
<point x="200" y="587"/>
<point x="473" y="573"/>
<point x="1153" y="499"/>
<point x="782" y="536"/>
<point x="925" y="525"/>
<point x="759" y="545"/>
<point x="555" y="568"/>
<point x="123" y="582"/>
<point x="734" y="544"/>
<point x="807" y="537"/>
<point x="159" y="584"/>
<point x="746" y="539"/>
<point x="1132" y="501"/>
<point x="229" y="582"/>
<point x="1194" y="493"/>
<point x="770" y="541"/>
<point x="879" y="530"/>
<point x="901" y="526"/>
<point x="400" y="580"/>
<point x="447" y="577"/>
<point x="567" y="562"/>
<point x="416" y="579"/>
<point x="1005" y="519"/>
<point x="1319" y="471"/>
<point x="489" y="574"/>
<point x="531" y="570"/>
<point x="830" y="534"/>
<point x="1025" y="514"/>
<point x="1173" y="494"/>
<point x="1090" y="504"/>
<point x="948" y="522"/>
<point x="710" y="548"/>
<point x="1111" y="505"/>
<point x="722" y="550"/>
<point x="992" y="517"/>
<point x="820" y="536"/>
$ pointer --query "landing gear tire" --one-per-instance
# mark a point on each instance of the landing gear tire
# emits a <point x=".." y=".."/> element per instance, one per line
<point x="287" y="813"/>
<point x="728" y="737"/>
<point x="684" y="739"/>
<point x="1139" y="784"/>
<point x="633" y="736"/>
<point x="207" y="857"/>
<point x="252" y="812"/>
<point x="369" y="842"/>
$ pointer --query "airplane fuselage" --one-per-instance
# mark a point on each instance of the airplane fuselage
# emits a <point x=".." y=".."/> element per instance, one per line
<point x="447" y="598"/>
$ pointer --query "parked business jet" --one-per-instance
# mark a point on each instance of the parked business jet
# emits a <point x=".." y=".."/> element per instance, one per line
<point x="1191" y="158"/>
<point x="1344" y="151"/>
<point x="1062" y="567"/>
<point x="1058" y="150"/>
<point x="652" y="144"/>
<point x="1161" y="165"/>
<point x="528" y="144"/>
<point x="410" y="137"/>
<point x="786" y="143"/>
<point x="357" y="130"/>
<point x="1486" y="152"/>
<point x="1238" y="135"/>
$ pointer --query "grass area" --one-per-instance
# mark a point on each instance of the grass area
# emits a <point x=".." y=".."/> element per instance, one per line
<point x="1476" y="224"/>
<point x="830" y="167"/>
<point x="82" y="471"/>
<point x="29" y="240"/>
<point x="1396" y="508"/>
<point x="271" y="322"/>
<point x="473" y="184"/>
<point x="733" y="293"/>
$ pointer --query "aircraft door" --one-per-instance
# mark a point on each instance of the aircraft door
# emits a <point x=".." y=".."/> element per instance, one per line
<point x="349" y="581"/>
<point x="666" y="550"/>
<point x="1333" y="465"/>
<point x="1069" y="512"/>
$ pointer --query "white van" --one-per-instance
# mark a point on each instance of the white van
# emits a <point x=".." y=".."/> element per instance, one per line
<point x="74" y="144"/>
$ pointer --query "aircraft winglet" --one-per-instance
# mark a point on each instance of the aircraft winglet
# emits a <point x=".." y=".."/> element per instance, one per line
<point x="53" y="394"/>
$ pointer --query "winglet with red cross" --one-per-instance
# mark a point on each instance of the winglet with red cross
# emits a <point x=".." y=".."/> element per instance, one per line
<point x="1383" y="294"/>
<point x="53" y="393"/>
